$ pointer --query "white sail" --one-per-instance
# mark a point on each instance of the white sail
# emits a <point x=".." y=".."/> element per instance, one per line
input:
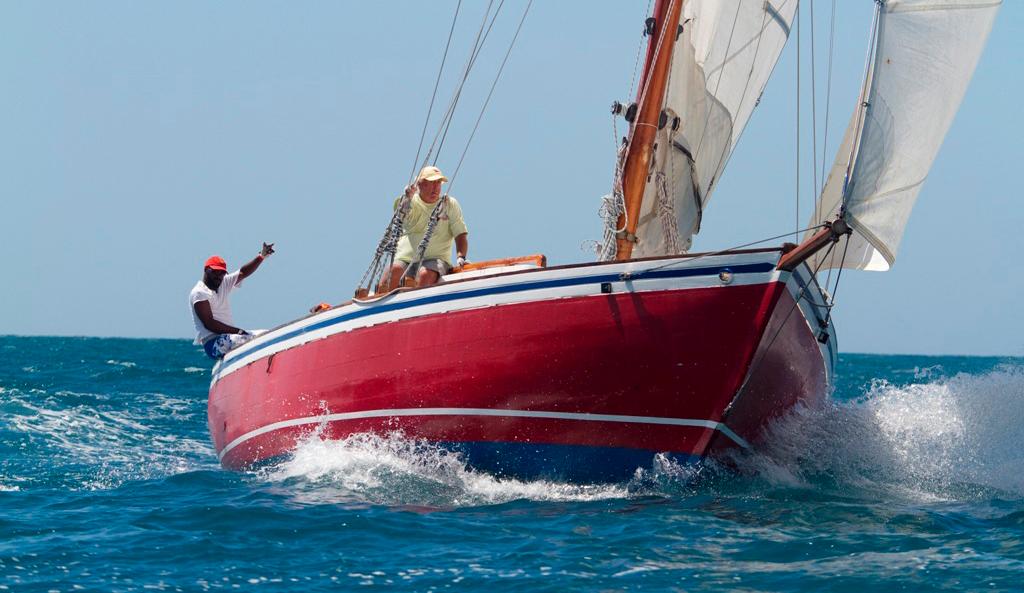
<point x="721" y="64"/>
<point x="925" y="56"/>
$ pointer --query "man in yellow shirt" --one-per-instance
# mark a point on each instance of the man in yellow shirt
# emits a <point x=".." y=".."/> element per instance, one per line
<point x="451" y="228"/>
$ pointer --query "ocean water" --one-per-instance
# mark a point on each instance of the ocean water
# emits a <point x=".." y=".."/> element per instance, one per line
<point x="911" y="478"/>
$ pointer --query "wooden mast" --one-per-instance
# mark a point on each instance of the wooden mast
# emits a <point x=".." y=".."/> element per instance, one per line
<point x="650" y="97"/>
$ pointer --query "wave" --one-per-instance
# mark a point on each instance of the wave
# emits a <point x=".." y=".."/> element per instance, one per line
<point x="951" y="438"/>
<point x="85" y="443"/>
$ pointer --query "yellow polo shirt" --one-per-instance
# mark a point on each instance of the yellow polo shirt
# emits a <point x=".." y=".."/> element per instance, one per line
<point x="449" y="226"/>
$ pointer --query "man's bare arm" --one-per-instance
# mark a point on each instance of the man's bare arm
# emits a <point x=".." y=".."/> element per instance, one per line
<point x="248" y="269"/>
<point x="205" y="313"/>
<point x="461" y="247"/>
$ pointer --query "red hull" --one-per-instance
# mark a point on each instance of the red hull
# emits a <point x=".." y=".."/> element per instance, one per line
<point x="572" y="372"/>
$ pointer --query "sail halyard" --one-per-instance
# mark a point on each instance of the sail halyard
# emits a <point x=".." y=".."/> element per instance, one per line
<point x="650" y="100"/>
<point x="925" y="56"/>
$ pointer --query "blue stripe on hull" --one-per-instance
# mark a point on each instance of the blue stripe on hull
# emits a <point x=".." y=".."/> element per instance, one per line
<point x="376" y="309"/>
<point x="564" y="463"/>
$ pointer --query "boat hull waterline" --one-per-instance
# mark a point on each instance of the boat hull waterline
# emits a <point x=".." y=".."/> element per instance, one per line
<point x="583" y="373"/>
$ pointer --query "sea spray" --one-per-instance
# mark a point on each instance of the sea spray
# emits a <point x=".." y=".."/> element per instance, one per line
<point x="950" y="438"/>
<point x="395" y="469"/>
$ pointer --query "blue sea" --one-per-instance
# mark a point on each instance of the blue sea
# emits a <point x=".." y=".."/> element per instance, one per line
<point x="911" y="478"/>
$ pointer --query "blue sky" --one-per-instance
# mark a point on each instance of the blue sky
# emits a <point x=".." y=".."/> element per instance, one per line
<point x="139" y="138"/>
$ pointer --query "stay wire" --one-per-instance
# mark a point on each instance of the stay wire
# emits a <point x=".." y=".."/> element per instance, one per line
<point x="727" y="155"/>
<point x="721" y="71"/>
<point x="869" y="61"/>
<point x="839" y="276"/>
<point x="814" y="110"/>
<point x="796" y="303"/>
<point x="727" y="250"/>
<point x="639" y="50"/>
<point x="472" y="61"/>
<point x="443" y="202"/>
<point x="426" y="122"/>
<point x="796" y="234"/>
<point x="828" y="91"/>
<point x="457" y="93"/>
<point x="487" y="101"/>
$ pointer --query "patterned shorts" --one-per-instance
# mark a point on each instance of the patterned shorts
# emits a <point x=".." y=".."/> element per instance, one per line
<point x="219" y="345"/>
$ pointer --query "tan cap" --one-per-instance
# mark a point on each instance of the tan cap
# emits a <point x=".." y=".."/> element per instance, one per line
<point x="430" y="173"/>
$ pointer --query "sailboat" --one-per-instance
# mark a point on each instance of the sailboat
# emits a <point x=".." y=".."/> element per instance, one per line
<point x="589" y="371"/>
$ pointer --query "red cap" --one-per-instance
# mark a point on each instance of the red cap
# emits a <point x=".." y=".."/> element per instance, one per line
<point x="216" y="262"/>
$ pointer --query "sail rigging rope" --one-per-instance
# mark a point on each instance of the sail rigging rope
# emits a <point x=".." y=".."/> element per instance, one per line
<point x="828" y="91"/>
<point x="636" y="62"/>
<point x="723" y="251"/>
<point x="610" y="248"/>
<point x="865" y="93"/>
<point x="426" y="121"/>
<point x="721" y="71"/>
<point x="478" y="44"/>
<point x="487" y="101"/>
<point x="820" y="216"/>
<point x="814" y="112"/>
<point x="386" y="247"/>
<point x="442" y="204"/>
<point x="796" y="303"/>
<point x="727" y="155"/>
<point x="613" y="204"/>
<point x="839" y="276"/>
<point x="796" y="27"/>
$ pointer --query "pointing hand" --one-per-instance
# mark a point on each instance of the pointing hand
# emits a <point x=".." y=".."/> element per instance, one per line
<point x="268" y="250"/>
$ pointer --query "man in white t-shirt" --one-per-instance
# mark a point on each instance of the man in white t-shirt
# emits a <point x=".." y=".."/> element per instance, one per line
<point x="211" y="306"/>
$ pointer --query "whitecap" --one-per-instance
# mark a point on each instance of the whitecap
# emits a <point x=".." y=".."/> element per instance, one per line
<point x="114" y="445"/>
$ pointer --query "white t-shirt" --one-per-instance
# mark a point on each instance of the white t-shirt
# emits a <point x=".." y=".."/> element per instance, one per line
<point x="219" y="303"/>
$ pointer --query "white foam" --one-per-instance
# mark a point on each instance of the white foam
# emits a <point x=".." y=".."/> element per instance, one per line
<point x="121" y="363"/>
<point x="113" y="445"/>
<point x="948" y="438"/>
<point x="397" y="470"/>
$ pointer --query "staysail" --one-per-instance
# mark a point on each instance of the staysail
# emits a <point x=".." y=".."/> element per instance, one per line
<point x="722" y="61"/>
<point x="924" y="57"/>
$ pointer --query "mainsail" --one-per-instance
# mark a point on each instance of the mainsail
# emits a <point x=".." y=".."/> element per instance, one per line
<point x="924" y="57"/>
<point x="722" y="62"/>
